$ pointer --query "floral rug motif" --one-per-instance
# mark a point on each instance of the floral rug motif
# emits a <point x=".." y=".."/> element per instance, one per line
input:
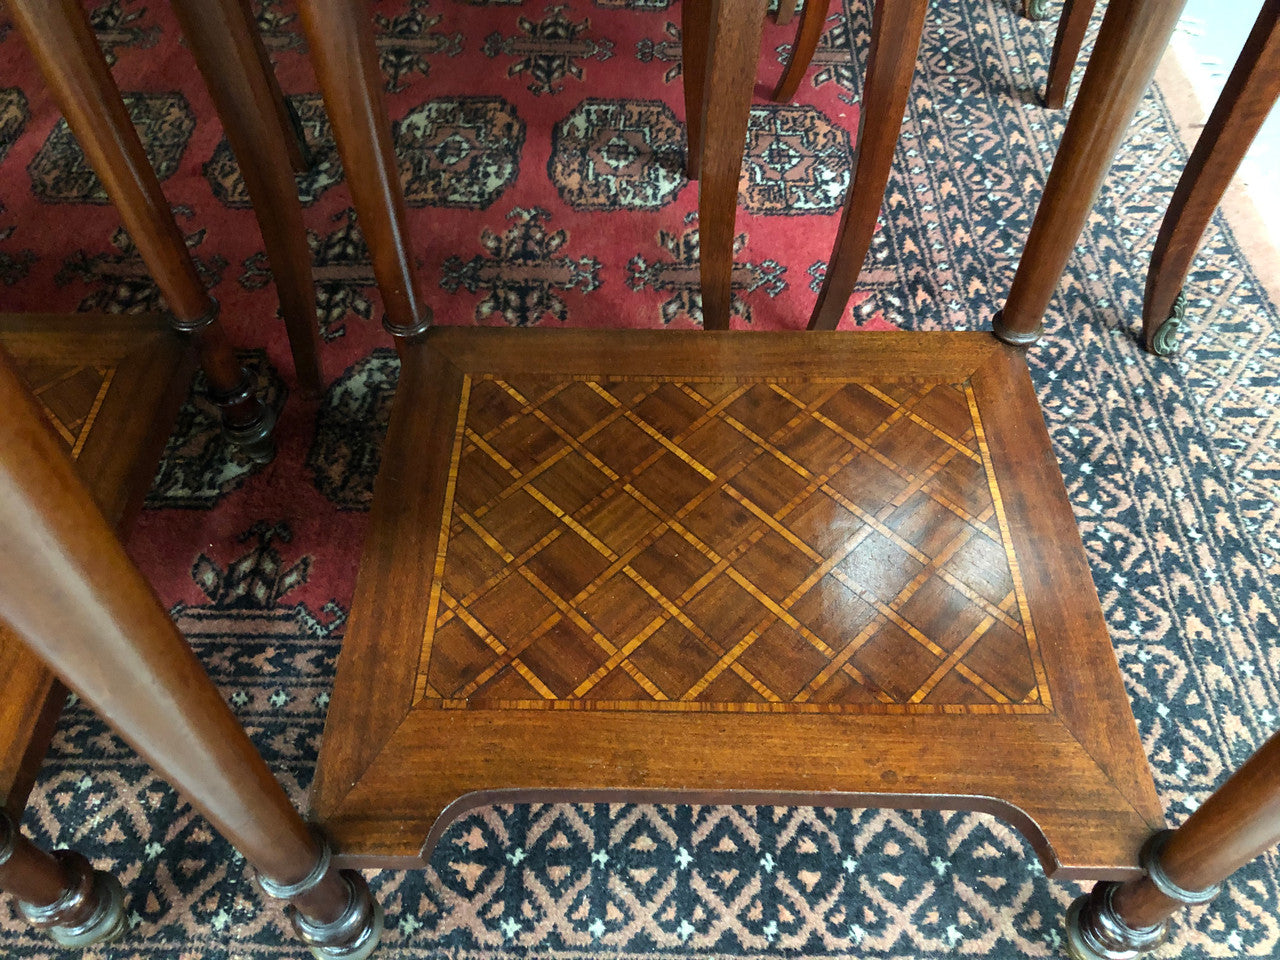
<point x="540" y="147"/>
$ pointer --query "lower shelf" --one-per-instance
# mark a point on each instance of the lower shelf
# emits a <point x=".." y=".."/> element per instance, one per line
<point x="830" y="569"/>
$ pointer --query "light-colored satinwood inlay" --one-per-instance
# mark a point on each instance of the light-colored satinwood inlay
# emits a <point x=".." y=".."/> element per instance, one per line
<point x="70" y="397"/>
<point x="815" y="545"/>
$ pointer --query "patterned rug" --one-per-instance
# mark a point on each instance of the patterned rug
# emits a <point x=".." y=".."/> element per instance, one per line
<point x="541" y="149"/>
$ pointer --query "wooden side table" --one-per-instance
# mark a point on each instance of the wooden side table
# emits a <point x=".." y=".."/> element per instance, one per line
<point x="798" y="568"/>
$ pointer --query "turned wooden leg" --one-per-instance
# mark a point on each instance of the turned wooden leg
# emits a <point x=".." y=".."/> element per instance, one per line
<point x="896" y="27"/>
<point x="70" y="592"/>
<point x="1239" y="821"/>
<point x="812" y="19"/>
<point x="340" y="37"/>
<point x="786" y="10"/>
<point x="59" y="892"/>
<point x="695" y="34"/>
<point x="1247" y="98"/>
<point x="737" y="27"/>
<point x="1066" y="50"/>
<point x="230" y="56"/>
<point x="1133" y="36"/>
<point x="59" y="35"/>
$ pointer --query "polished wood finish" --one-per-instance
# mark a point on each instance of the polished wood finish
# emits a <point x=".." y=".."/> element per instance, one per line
<point x="1239" y="821"/>
<point x="69" y="590"/>
<point x="720" y="567"/>
<point x="1072" y="26"/>
<point x="896" y="27"/>
<point x="340" y="37"/>
<point x="786" y="10"/>
<point x="27" y="872"/>
<point x="59" y="35"/>
<point x="733" y="50"/>
<point x="59" y="893"/>
<point x="812" y="21"/>
<point x="695" y="35"/>
<point x="1247" y="98"/>
<point x="111" y="387"/>
<point x="1133" y="36"/>
<point x="224" y="40"/>
<point x="287" y="119"/>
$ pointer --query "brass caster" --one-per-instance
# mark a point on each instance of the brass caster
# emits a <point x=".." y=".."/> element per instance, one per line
<point x="1163" y="342"/>
<point x="1036" y="9"/>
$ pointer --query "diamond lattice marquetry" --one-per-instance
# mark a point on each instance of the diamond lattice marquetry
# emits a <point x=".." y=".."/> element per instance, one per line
<point x="652" y="543"/>
<point x="70" y="397"/>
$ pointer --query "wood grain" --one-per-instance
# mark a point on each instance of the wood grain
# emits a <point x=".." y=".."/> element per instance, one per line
<point x="1243" y="106"/>
<point x="1133" y="36"/>
<point x="118" y="448"/>
<point x="834" y="569"/>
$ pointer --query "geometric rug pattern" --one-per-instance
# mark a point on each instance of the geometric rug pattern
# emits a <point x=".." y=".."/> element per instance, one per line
<point x="540" y="146"/>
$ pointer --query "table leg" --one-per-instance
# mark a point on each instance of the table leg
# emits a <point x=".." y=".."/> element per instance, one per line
<point x="70" y="592"/>
<point x="737" y="28"/>
<point x="59" y="35"/>
<point x="896" y="26"/>
<point x="695" y="34"/>
<point x="340" y="36"/>
<point x="229" y="53"/>
<point x="1248" y="96"/>
<point x="1066" y="50"/>
<point x="60" y="893"/>
<point x="295" y="140"/>
<point x="1133" y="37"/>
<point x="812" y="20"/>
<point x="1239" y="821"/>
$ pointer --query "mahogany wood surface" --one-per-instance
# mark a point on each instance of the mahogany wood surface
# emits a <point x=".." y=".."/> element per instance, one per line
<point x="223" y="37"/>
<point x="111" y="386"/>
<point x="1133" y="36"/>
<point x="1184" y="867"/>
<point x="340" y="37"/>
<point x="835" y="569"/>
<point x="695" y="32"/>
<point x="896" y="27"/>
<point x="733" y="52"/>
<point x="295" y="141"/>
<point x="1246" y="99"/>
<point x="1072" y="26"/>
<point x="59" y="892"/>
<point x="812" y="20"/>
<point x="27" y="872"/>
<point x="1239" y="821"/>
<point x="69" y="590"/>
<point x="64" y="46"/>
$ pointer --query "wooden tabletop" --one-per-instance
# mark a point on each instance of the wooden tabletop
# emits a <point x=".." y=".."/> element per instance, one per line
<point x="837" y="569"/>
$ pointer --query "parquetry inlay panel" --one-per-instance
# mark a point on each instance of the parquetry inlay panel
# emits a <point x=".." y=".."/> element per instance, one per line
<point x="70" y="397"/>
<point x="726" y="545"/>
